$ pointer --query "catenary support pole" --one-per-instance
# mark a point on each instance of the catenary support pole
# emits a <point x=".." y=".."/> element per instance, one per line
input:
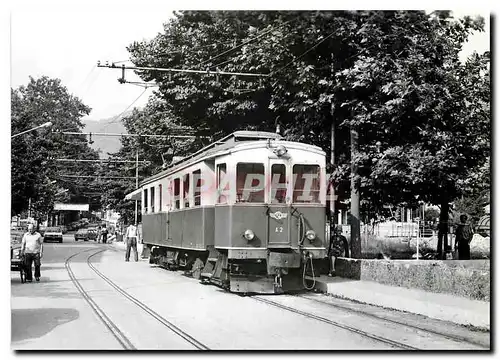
<point x="136" y="179"/>
<point x="355" y="225"/>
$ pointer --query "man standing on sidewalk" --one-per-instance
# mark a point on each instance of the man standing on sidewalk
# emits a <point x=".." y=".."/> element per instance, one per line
<point x="131" y="235"/>
<point x="32" y="249"/>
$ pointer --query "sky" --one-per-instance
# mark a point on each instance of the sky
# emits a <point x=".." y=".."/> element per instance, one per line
<point x="65" y="42"/>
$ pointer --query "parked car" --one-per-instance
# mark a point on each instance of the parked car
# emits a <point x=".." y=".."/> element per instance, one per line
<point x="15" y="250"/>
<point x="92" y="234"/>
<point x="53" y="234"/>
<point x="82" y="234"/>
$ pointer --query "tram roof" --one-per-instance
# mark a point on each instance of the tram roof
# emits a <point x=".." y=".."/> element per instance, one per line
<point x="225" y="143"/>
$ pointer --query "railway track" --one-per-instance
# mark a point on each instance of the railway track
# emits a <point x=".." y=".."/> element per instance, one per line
<point x="393" y="343"/>
<point x="456" y="338"/>
<point x="117" y="333"/>
<point x="119" y="336"/>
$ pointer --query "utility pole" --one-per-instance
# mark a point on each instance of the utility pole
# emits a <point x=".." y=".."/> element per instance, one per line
<point x="333" y="219"/>
<point x="355" y="225"/>
<point x="136" y="179"/>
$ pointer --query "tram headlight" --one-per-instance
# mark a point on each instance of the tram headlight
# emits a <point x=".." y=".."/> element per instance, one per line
<point x="310" y="235"/>
<point x="280" y="150"/>
<point x="248" y="234"/>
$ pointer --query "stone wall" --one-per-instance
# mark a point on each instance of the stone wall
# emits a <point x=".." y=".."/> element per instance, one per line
<point x="467" y="278"/>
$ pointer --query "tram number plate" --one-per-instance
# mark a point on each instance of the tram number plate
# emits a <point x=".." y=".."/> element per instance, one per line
<point x="279" y="229"/>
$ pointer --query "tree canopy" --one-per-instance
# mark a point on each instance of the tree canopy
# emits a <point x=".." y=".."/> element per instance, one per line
<point x="423" y="116"/>
<point x="34" y="172"/>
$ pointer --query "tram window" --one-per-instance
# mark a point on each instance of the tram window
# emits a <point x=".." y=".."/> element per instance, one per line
<point x="306" y="183"/>
<point x="145" y="201"/>
<point x="159" y="197"/>
<point x="177" y="188"/>
<point x="278" y="183"/>
<point x="197" y="189"/>
<point x="222" y="184"/>
<point x="250" y="182"/>
<point x="152" y="198"/>
<point x="186" y="191"/>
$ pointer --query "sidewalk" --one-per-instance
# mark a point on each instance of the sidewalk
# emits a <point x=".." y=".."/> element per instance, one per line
<point x="123" y="246"/>
<point x="446" y="307"/>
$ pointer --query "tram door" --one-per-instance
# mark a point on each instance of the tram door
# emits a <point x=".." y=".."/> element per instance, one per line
<point x="278" y="211"/>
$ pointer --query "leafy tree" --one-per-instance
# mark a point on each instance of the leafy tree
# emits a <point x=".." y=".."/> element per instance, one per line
<point x="395" y="76"/>
<point x="34" y="173"/>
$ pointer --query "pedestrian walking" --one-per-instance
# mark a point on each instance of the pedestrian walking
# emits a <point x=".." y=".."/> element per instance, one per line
<point x="463" y="237"/>
<point x="104" y="234"/>
<point x="32" y="250"/>
<point x="131" y="235"/>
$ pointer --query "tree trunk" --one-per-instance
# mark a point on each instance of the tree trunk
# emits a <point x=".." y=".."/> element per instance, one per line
<point x="442" y="245"/>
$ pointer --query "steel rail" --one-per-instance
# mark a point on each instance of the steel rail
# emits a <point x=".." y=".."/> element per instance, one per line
<point x="147" y="309"/>
<point x="336" y="324"/>
<point x="119" y="336"/>
<point x="450" y="337"/>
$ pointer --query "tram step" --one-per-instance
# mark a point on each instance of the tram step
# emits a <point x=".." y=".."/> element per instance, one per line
<point x="212" y="259"/>
<point x="206" y="275"/>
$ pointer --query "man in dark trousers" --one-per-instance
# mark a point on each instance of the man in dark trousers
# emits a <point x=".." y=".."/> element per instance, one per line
<point x="463" y="237"/>
<point x="32" y="249"/>
<point x="104" y="234"/>
<point x="131" y="236"/>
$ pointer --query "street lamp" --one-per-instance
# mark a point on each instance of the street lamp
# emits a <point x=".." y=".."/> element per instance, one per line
<point x="47" y="124"/>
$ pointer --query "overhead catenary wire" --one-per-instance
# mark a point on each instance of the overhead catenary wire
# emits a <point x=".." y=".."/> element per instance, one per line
<point x="244" y="43"/>
<point x="133" y="135"/>
<point x="304" y="53"/>
<point x="118" y="116"/>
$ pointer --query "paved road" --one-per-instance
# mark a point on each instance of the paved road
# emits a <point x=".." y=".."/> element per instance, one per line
<point x="137" y="306"/>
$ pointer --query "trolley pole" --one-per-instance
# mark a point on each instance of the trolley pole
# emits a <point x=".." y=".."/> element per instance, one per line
<point x="136" y="179"/>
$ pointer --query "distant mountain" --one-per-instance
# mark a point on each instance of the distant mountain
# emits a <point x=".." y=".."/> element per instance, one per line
<point x="106" y="144"/>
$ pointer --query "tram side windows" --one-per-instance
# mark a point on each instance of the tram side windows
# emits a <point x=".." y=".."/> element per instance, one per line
<point x="222" y="184"/>
<point x="197" y="188"/>
<point x="177" y="192"/>
<point x="306" y="183"/>
<point x="186" y="191"/>
<point x="152" y="198"/>
<point x="278" y="184"/>
<point x="145" y="201"/>
<point x="250" y="182"/>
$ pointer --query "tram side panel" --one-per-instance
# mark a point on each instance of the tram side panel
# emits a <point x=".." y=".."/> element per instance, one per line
<point x="197" y="228"/>
<point x="154" y="229"/>
<point x="175" y="228"/>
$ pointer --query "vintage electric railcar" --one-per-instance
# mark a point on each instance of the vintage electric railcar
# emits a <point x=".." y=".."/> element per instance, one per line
<point x="246" y="212"/>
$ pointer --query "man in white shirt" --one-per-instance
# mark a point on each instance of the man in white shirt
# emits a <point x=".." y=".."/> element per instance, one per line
<point x="32" y="249"/>
<point x="132" y="236"/>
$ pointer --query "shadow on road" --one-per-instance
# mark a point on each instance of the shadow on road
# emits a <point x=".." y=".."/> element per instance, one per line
<point x="34" y="323"/>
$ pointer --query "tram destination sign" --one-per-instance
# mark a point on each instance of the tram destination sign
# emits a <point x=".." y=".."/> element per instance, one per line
<point x="71" y="207"/>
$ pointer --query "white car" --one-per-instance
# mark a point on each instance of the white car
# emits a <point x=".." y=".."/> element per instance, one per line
<point x="53" y="234"/>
